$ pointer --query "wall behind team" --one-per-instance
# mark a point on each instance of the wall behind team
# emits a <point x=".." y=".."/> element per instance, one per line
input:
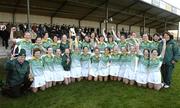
<point x="22" y="18"/>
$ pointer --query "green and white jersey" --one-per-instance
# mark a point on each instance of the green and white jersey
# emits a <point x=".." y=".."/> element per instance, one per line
<point x="143" y="60"/>
<point x="105" y="58"/>
<point x="133" y="56"/>
<point x="85" y="60"/>
<point x="115" y="59"/>
<point x="145" y="45"/>
<point x="134" y="61"/>
<point x="36" y="67"/>
<point x="57" y="60"/>
<point x="95" y="59"/>
<point x="35" y="45"/>
<point x="87" y="44"/>
<point x="155" y="64"/>
<point x="122" y="44"/>
<point x="125" y="58"/>
<point x="154" y="45"/>
<point x="104" y="61"/>
<point x="132" y="41"/>
<point x="40" y="46"/>
<point x="48" y="62"/>
<point x="101" y="46"/>
<point x="47" y="42"/>
<point x="85" y="57"/>
<point x="111" y="45"/>
<point x="55" y="46"/>
<point x="27" y="45"/>
<point x="76" y="59"/>
<point x="143" y="64"/>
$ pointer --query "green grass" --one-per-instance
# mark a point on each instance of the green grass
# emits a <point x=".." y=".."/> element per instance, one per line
<point x="90" y="94"/>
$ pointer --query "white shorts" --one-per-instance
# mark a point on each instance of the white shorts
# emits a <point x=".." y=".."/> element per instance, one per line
<point x="114" y="70"/>
<point x="129" y="74"/>
<point x="67" y="74"/>
<point x="48" y="76"/>
<point x="154" y="77"/>
<point x="76" y="72"/>
<point x="104" y="71"/>
<point x="94" y="72"/>
<point x="38" y="81"/>
<point x="84" y="72"/>
<point x="121" y="72"/>
<point x="58" y="75"/>
<point x="141" y="77"/>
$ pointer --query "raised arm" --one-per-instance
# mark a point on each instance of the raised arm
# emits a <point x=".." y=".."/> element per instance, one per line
<point x="103" y="33"/>
<point x="114" y="34"/>
<point x="163" y="48"/>
<point x="76" y="42"/>
<point x="13" y="29"/>
<point x="70" y="40"/>
<point x="137" y="49"/>
<point x="82" y="33"/>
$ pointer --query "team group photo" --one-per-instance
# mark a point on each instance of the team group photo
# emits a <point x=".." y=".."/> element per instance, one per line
<point x="64" y="63"/>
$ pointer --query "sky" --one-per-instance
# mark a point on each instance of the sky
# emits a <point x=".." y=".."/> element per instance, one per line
<point x="175" y="3"/>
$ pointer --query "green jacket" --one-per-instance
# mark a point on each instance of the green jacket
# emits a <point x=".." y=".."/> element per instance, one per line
<point x="16" y="72"/>
<point x="67" y="67"/>
<point x="172" y="51"/>
<point x="63" y="46"/>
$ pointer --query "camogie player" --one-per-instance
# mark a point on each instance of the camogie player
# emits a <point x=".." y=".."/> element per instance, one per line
<point x="58" y="75"/>
<point x="85" y="62"/>
<point x="38" y="44"/>
<point x="111" y="43"/>
<point x="142" y="70"/>
<point x="76" y="65"/>
<point x="36" y="68"/>
<point x="55" y="44"/>
<point x="115" y="60"/>
<point x="155" y="62"/>
<point x="101" y="44"/>
<point x="24" y="43"/>
<point x="48" y="61"/>
<point x="94" y="70"/>
<point x="145" y="44"/>
<point x="104" y="65"/>
<point x="64" y="44"/>
<point x="46" y="41"/>
<point x="132" y="62"/>
<point x="93" y="41"/>
<point x="124" y="63"/>
<point x="76" y="43"/>
<point x="66" y="63"/>
<point x="86" y="42"/>
<point x="133" y="40"/>
<point x="122" y="43"/>
<point x="156" y="40"/>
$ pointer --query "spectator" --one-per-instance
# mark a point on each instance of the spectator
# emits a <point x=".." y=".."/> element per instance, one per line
<point x="18" y="78"/>
<point x="170" y="58"/>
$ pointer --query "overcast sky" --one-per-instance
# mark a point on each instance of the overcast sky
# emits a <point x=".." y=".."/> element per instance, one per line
<point x="175" y="3"/>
